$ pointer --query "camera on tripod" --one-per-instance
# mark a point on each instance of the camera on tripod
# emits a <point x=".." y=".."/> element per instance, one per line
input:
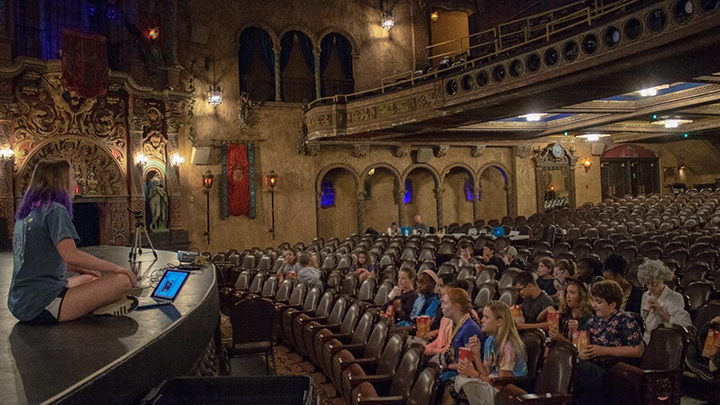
<point x="137" y="241"/>
<point x="138" y="214"/>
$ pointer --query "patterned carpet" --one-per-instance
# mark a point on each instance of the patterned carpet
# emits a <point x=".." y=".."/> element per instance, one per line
<point x="289" y="363"/>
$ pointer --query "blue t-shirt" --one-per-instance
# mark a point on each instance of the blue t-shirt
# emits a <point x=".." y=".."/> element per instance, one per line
<point x="38" y="269"/>
<point x="423" y="305"/>
<point x="510" y="360"/>
<point x="468" y="329"/>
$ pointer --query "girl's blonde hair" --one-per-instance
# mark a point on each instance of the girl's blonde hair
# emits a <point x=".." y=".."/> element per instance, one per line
<point x="507" y="333"/>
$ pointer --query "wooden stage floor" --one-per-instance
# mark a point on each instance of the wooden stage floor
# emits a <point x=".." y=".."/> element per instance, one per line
<point x="114" y="360"/>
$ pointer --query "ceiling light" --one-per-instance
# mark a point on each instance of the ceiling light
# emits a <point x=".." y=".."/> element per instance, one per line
<point x="671" y="123"/>
<point x="532" y="117"/>
<point x="388" y="21"/>
<point x="592" y="137"/>
<point x="652" y="91"/>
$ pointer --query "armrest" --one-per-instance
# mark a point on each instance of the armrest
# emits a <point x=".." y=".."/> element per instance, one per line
<point x="394" y="400"/>
<point x="511" y="394"/>
<point x="343" y="337"/>
<point x="319" y="319"/>
<point x="526" y="383"/>
<point x="315" y="328"/>
<point x="356" y="380"/>
<point x="351" y="348"/>
<point x="364" y="362"/>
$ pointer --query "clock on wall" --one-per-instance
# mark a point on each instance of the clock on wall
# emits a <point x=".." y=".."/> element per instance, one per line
<point x="558" y="151"/>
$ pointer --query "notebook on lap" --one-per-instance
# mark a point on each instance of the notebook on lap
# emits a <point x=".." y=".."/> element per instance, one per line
<point x="167" y="289"/>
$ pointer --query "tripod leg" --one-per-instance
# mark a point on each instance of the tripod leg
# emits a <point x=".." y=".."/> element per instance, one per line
<point x="150" y="242"/>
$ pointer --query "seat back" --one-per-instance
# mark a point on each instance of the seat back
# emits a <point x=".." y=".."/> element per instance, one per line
<point x="485" y="294"/>
<point x="257" y="312"/>
<point x="265" y="263"/>
<point x="334" y="279"/>
<point x="348" y="285"/>
<point x="425" y="387"/>
<point x="367" y="289"/>
<point x="325" y="305"/>
<point x="297" y="297"/>
<point x="243" y="281"/>
<point x="376" y="341"/>
<point x="388" y="362"/>
<point x="556" y="373"/>
<point x="508" y="296"/>
<point x="534" y="341"/>
<point x="666" y="350"/>
<point x="466" y="272"/>
<point x="248" y="262"/>
<point x="268" y="290"/>
<point x="257" y="283"/>
<point x="351" y="319"/>
<point x="338" y="311"/>
<point x="404" y="377"/>
<point x="364" y="327"/>
<point x="381" y="296"/>
<point x="311" y="299"/>
<point x="506" y="280"/>
<point x="698" y="293"/>
<point x="284" y="291"/>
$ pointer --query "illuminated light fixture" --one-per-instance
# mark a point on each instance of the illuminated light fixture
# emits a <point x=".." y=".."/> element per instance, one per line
<point x="587" y="164"/>
<point x="272" y="179"/>
<point x="215" y="93"/>
<point x="532" y="117"/>
<point x="592" y="137"/>
<point x="153" y="33"/>
<point x="371" y="172"/>
<point x="652" y="91"/>
<point x="434" y="16"/>
<point x="141" y="159"/>
<point x="387" y="21"/>
<point x="6" y="154"/>
<point x="177" y="160"/>
<point x="671" y="123"/>
<point x="681" y="166"/>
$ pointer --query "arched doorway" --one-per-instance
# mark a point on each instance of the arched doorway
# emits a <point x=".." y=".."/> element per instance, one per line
<point x="493" y="192"/>
<point x="420" y="184"/>
<point x="337" y="203"/>
<point x="380" y="184"/>
<point x="459" y="193"/>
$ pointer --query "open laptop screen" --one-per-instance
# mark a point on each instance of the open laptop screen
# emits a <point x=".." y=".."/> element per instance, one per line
<point x="170" y="284"/>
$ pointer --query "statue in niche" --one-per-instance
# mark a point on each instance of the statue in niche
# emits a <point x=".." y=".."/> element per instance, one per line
<point x="158" y="200"/>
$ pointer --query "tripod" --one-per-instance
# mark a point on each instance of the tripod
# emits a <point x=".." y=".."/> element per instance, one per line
<point x="137" y="243"/>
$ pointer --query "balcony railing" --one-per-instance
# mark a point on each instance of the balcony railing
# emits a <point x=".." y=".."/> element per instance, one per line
<point x="262" y="89"/>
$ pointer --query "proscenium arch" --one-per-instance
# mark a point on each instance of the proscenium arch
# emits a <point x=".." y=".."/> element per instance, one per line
<point x="318" y="189"/>
<point x="275" y="39"/>
<point x="344" y="33"/>
<point x="506" y="179"/>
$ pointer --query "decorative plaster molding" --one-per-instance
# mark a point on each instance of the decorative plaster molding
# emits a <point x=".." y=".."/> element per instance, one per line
<point x="313" y="149"/>
<point x="523" y="151"/>
<point x="360" y="151"/>
<point x="477" y="150"/>
<point x="442" y="150"/>
<point x="401" y="151"/>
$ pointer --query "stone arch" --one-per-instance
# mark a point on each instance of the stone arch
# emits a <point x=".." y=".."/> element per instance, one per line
<point x="507" y="187"/>
<point x="343" y="32"/>
<point x="275" y="39"/>
<point x="310" y="34"/>
<point x="456" y="207"/>
<point x="379" y="209"/>
<point x="394" y="171"/>
<point x="97" y="172"/>
<point x="427" y="204"/>
<point x="333" y="222"/>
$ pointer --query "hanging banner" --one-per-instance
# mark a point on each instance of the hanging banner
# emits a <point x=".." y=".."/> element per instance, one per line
<point x="84" y="63"/>
<point x="238" y="173"/>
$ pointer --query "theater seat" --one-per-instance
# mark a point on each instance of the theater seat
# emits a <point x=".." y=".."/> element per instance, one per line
<point x="398" y="384"/>
<point x="345" y="353"/>
<point x="387" y="364"/>
<point x="660" y="374"/>
<point x="334" y="342"/>
<point x="311" y="308"/>
<point x="347" y="327"/>
<point x="304" y="329"/>
<point x="423" y="390"/>
<point x="552" y="385"/>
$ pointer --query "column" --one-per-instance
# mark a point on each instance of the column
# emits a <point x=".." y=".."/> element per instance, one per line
<point x="439" y="203"/>
<point x="173" y="117"/>
<point x="361" y="212"/>
<point x="318" y="201"/>
<point x="399" y="197"/>
<point x="477" y="215"/>
<point x="318" y="81"/>
<point x="278" y="89"/>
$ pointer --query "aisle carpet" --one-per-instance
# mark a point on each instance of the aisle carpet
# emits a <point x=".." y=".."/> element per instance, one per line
<point x="289" y="363"/>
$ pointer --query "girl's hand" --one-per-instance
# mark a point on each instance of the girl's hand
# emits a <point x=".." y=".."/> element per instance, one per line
<point x="466" y="368"/>
<point x="572" y="325"/>
<point x="592" y="351"/>
<point x="474" y="345"/>
<point x="128" y="273"/>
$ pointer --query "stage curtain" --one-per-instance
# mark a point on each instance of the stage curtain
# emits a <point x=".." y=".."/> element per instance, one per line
<point x="84" y="63"/>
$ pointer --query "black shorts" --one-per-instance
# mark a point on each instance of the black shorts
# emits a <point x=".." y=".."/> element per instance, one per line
<point x="46" y="316"/>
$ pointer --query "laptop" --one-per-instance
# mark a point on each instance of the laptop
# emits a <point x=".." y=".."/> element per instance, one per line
<point x="498" y="231"/>
<point x="167" y="289"/>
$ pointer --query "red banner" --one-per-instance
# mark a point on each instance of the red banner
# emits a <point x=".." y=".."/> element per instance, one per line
<point x="238" y="179"/>
<point x="84" y="63"/>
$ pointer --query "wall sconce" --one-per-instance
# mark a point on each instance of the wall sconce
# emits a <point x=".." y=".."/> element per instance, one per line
<point x="207" y="179"/>
<point x="177" y="160"/>
<point x="153" y="33"/>
<point x="434" y="16"/>
<point x="6" y="154"/>
<point x="587" y="164"/>
<point x="272" y="182"/>
<point x="215" y="93"/>
<point x="141" y="159"/>
<point x="387" y="21"/>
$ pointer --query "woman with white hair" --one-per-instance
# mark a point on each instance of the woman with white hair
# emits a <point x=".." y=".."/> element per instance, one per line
<point x="660" y="304"/>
